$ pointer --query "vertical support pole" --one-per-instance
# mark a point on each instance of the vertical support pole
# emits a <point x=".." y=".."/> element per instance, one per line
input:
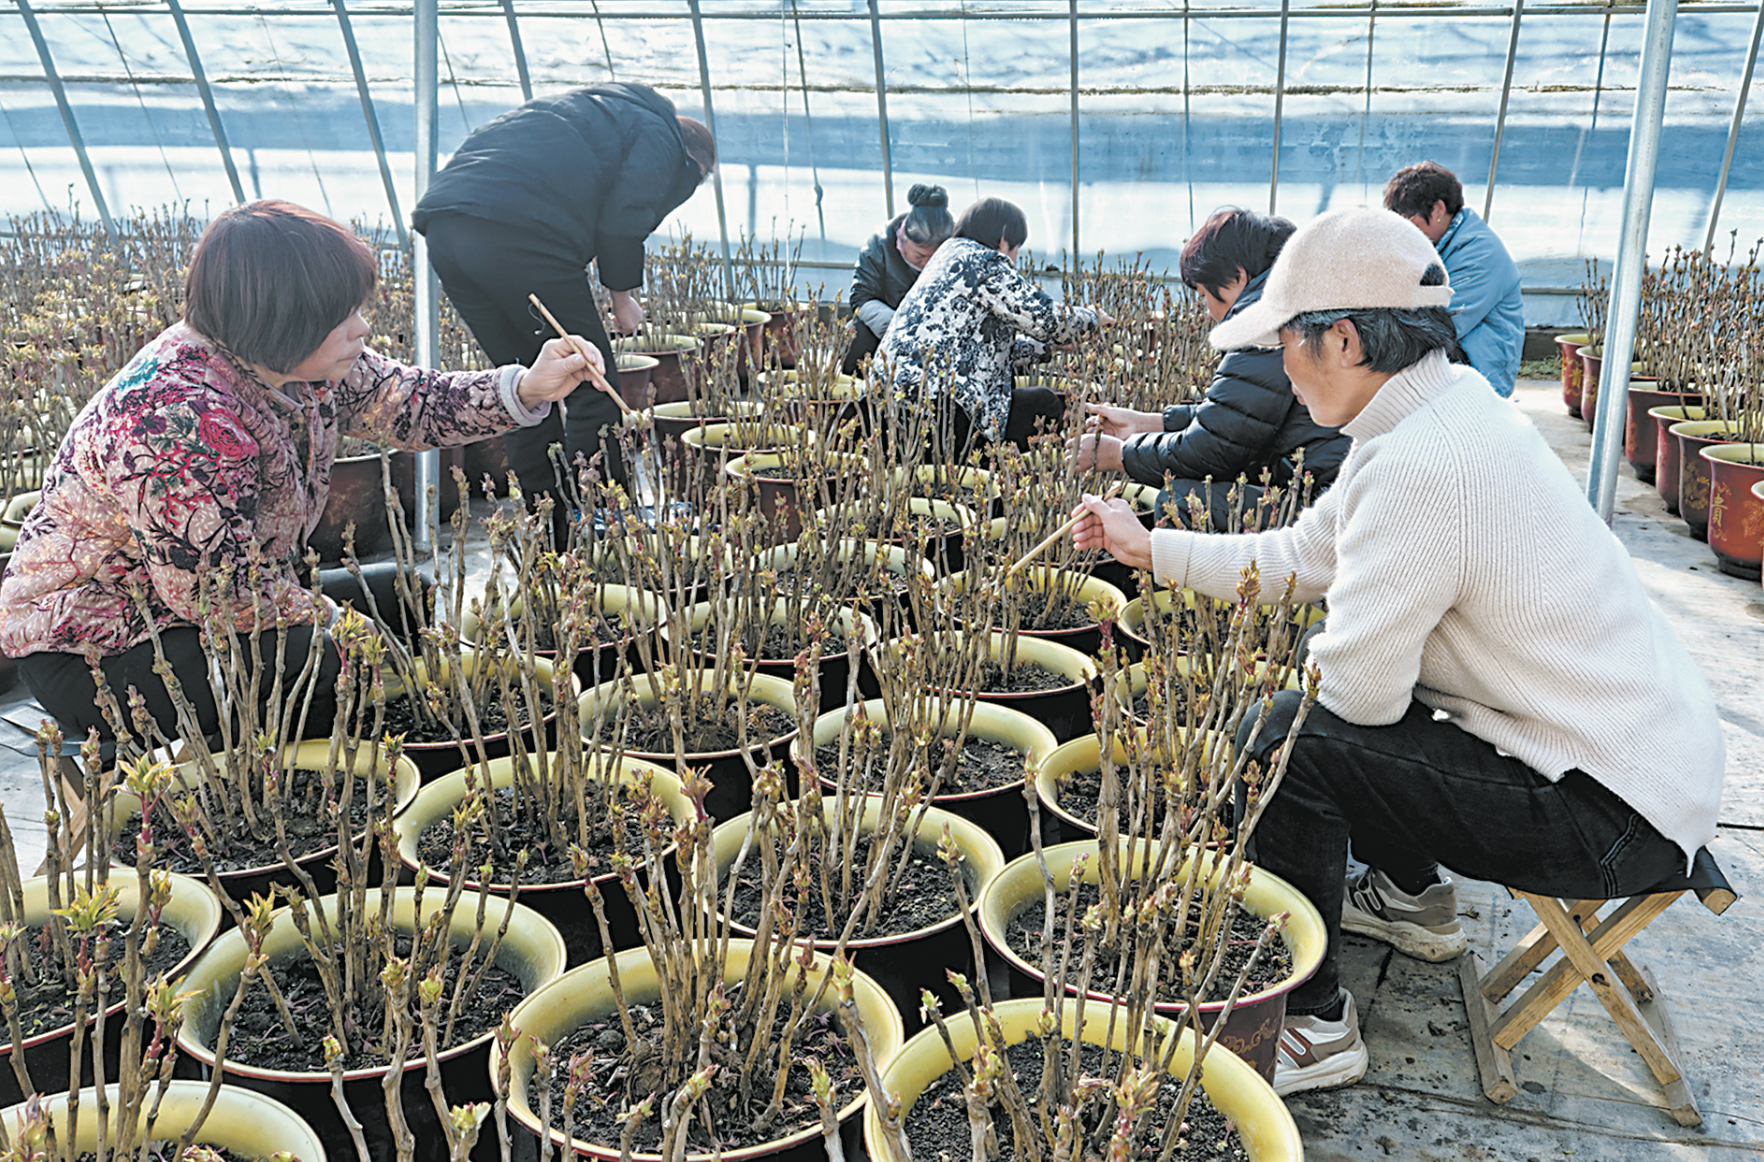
<point x="1073" y="17"/>
<point x="67" y="117"/>
<point x="710" y="121"/>
<point x="1494" y="159"/>
<point x="202" y="90"/>
<point x="1632" y="255"/>
<point x="1733" y="130"/>
<point x="367" y="112"/>
<point x="520" y="53"/>
<point x="882" y="107"/>
<point x="1366" y="109"/>
<point x="426" y="73"/>
<point x="1279" y="108"/>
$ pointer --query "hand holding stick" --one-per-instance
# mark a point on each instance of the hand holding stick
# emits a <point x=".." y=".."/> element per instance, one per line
<point x="1058" y="533"/>
<point x="575" y="341"/>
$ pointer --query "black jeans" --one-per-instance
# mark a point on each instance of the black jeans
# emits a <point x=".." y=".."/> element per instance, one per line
<point x="1423" y="791"/>
<point x="1214" y="495"/>
<point x="488" y="269"/>
<point x="63" y="685"/>
<point x="1034" y="410"/>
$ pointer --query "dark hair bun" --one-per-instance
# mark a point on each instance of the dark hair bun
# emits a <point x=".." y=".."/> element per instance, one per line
<point x="924" y="195"/>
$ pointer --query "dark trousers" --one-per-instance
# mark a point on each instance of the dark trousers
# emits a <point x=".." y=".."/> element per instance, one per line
<point x="1421" y="792"/>
<point x="1214" y="495"/>
<point x="1034" y="410"/>
<point x="63" y="685"/>
<point x="488" y="269"/>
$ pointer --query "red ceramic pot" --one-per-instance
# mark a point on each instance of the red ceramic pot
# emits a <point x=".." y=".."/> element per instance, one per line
<point x="1572" y="369"/>
<point x="1693" y="471"/>
<point x="1594" y="362"/>
<point x="1641" y="428"/>
<point x="1666" y="450"/>
<point x="1736" y="516"/>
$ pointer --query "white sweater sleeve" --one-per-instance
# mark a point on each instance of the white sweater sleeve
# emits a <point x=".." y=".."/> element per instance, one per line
<point x="1383" y="546"/>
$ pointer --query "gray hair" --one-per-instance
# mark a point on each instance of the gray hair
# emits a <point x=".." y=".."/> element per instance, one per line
<point x="1390" y="338"/>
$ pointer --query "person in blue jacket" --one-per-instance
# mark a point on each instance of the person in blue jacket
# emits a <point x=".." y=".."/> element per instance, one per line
<point x="1486" y="307"/>
<point x="1248" y="422"/>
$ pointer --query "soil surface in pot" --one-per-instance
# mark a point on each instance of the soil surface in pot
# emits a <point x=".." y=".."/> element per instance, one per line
<point x="492" y="718"/>
<point x="924" y="897"/>
<point x="982" y="766"/>
<point x="46" y="996"/>
<point x="260" y="1039"/>
<point x="618" y="1076"/>
<point x="1081" y="793"/>
<point x="605" y="629"/>
<point x="787" y="581"/>
<point x="161" y="1150"/>
<point x="1053" y="608"/>
<point x="310" y="819"/>
<point x="708" y="729"/>
<point x="1023" y="934"/>
<point x="1024" y="678"/>
<point x="778" y="642"/>
<point x="518" y="832"/>
<point x="937" y="1126"/>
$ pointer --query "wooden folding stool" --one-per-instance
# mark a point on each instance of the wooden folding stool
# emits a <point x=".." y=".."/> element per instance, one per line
<point x="1592" y="952"/>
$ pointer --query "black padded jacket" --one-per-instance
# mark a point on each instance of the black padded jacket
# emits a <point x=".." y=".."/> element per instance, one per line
<point x="593" y="172"/>
<point x="881" y="274"/>
<point x="1248" y="420"/>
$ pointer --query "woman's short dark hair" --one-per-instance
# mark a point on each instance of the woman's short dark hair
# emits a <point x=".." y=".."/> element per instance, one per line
<point x="1390" y="339"/>
<point x="1231" y="240"/>
<point x="928" y="222"/>
<point x="270" y="280"/>
<point x="989" y="220"/>
<point x="701" y="147"/>
<point x="1412" y="190"/>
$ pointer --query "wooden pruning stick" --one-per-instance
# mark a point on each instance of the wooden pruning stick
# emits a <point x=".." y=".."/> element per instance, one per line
<point x="1058" y="533"/>
<point x="582" y="350"/>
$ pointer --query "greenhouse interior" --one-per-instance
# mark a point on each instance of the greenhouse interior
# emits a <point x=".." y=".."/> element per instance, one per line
<point x="881" y="579"/>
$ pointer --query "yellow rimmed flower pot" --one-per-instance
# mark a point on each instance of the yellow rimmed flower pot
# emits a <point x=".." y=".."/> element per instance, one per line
<point x="1693" y="471"/>
<point x="531" y="950"/>
<point x="585" y="994"/>
<point x="1237" y="1091"/>
<point x="559" y="900"/>
<point x="1736" y="519"/>
<point x="1252" y="1029"/>
<point x="835" y="667"/>
<point x="1001" y="811"/>
<point x="1091" y="595"/>
<point x="243" y="1123"/>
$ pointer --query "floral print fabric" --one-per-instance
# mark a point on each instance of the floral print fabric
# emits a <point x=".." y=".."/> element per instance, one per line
<point x="957" y="331"/>
<point x="186" y="463"/>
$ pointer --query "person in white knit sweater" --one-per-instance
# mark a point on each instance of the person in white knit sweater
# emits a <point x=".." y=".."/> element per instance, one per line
<point x="1496" y="692"/>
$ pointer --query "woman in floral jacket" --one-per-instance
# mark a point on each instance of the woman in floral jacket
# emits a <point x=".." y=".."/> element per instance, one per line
<point x="967" y="321"/>
<point x="208" y="459"/>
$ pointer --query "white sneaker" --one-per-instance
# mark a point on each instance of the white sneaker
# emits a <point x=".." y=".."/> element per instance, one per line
<point x="1317" y="1054"/>
<point x="1425" y="926"/>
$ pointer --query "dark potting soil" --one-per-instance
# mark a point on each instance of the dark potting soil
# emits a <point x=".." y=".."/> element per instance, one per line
<point x="788" y="582"/>
<point x="517" y="833"/>
<point x="310" y="821"/>
<point x="982" y="766"/>
<point x="779" y="643"/>
<point x="937" y="1125"/>
<point x="618" y="1077"/>
<point x="492" y="718"/>
<point x="1024" y="678"/>
<point x="260" y="1039"/>
<point x="604" y="630"/>
<point x="1023" y="934"/>
<point x="48" y="1003"/>
<point x="1081" y="795"/>
<point x="925" y="896"/>
<point x="650" y="732"/>
<point x="1046" y="609"/>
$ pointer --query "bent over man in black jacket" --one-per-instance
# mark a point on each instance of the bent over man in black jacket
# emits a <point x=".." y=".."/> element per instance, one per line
<point x="1249" y="420"/>
<point x="524" y="205"/>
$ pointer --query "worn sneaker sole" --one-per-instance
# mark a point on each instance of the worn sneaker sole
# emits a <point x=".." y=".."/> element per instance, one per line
<point x="1411" y="939"/>
<point x="1334" y="1071"/>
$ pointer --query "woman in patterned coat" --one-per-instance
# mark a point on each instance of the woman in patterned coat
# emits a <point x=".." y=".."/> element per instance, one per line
<point x="967" y="323"/>
<point x="196" y="473"/>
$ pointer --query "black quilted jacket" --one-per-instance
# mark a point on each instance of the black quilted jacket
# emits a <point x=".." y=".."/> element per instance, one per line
<point x="1248" y="420"/>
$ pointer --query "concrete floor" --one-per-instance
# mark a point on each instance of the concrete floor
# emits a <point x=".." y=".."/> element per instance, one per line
<point x="1585" y="1094"/>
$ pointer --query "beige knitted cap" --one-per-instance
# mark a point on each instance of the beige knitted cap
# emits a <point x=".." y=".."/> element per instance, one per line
<point x="1342" y="260"/>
